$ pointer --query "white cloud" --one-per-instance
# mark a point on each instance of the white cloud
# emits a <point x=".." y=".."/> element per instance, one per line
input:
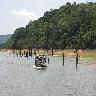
<point x="25" y="14"/>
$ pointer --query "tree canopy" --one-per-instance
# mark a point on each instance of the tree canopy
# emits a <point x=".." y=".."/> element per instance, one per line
<point x="67" y="27"/>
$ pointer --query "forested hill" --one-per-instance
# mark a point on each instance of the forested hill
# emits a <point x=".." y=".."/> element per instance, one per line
<point x="67" y="27"/>
<point x="4" y="39"/>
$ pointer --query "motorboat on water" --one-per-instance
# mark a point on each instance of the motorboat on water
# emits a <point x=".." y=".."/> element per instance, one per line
<point x="40" y="61"/>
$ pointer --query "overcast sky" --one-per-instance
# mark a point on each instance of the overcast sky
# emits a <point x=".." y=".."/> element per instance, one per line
<point x="17" y="13"/>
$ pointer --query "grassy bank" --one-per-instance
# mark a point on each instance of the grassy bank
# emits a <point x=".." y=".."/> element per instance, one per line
<point x="91" y="54"/>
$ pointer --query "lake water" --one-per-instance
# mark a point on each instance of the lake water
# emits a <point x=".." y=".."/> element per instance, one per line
<point x="19" y="78"/>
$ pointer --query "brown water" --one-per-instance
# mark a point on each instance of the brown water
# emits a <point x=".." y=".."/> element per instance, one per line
<point x="19" y="78"/>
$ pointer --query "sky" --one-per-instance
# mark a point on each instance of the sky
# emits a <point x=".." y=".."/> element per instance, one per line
<point x="18" y="13"/>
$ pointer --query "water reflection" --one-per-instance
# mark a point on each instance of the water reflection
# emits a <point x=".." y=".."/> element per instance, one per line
<point x="42" y="69"/>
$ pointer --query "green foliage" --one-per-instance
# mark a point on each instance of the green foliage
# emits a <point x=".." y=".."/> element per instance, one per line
<point x="67" y="27"/>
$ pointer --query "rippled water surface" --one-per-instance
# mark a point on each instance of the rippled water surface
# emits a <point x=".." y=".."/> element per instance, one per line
<point x="18" y="77"/>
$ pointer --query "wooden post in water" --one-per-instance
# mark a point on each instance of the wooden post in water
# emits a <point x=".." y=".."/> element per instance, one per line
<point x="76" y="57"/>
<point x="48" y="60"/>
<point x="63" y="59"/>
<point x="52" y="51"/>
<point x="26" y="54"/>
<point x="35" y="52"/>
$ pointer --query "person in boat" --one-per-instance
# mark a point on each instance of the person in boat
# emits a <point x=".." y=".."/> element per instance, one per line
<point x="40" y="61"/>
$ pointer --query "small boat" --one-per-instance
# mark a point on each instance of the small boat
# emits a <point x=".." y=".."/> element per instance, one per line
<point x="40" y="61"/>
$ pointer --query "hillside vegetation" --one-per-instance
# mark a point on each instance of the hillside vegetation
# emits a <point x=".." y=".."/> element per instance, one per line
<point x="4" y="39"/>
<point x="67" y="27"/>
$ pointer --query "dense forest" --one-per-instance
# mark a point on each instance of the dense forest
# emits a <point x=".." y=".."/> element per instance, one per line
<point x="67" y="27"/>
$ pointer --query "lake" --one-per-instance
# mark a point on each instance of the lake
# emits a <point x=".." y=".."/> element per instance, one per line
<point x="18" y="77"/>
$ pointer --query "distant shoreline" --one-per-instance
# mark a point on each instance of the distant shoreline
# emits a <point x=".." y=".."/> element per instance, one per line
<point x="83" y="54"/>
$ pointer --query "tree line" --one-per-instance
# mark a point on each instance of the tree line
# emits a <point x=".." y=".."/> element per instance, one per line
<point x="70" y="26"/>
